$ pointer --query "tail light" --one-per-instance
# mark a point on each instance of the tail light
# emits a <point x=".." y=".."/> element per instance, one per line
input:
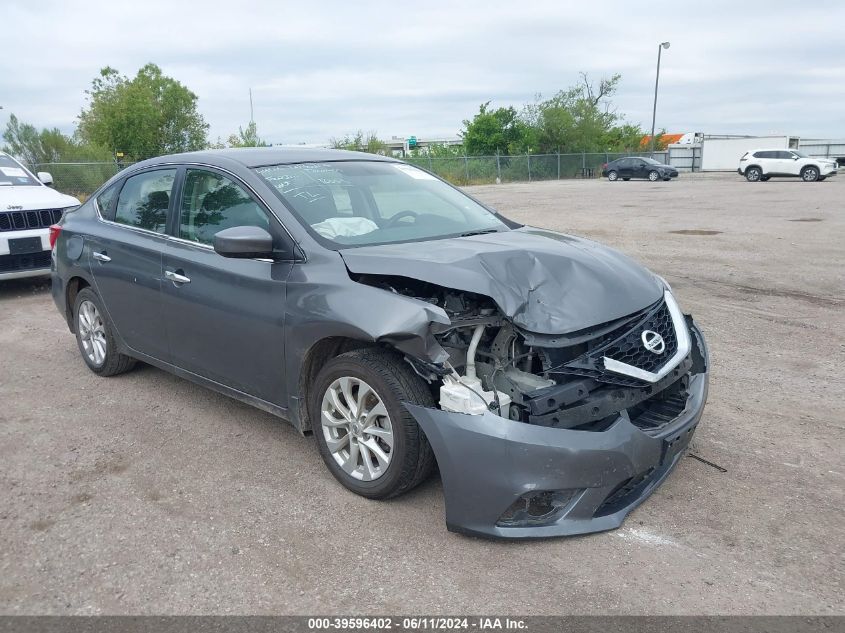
<point x="55" y="229"/>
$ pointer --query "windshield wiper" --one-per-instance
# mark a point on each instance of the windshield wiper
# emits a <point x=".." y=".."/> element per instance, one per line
<point x="479" y="232"/>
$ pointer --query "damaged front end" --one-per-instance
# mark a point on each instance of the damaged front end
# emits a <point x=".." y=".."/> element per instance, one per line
<point x="542" y="434"/>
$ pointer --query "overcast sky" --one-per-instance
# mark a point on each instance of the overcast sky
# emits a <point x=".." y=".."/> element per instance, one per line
<point x="322" y="69"/>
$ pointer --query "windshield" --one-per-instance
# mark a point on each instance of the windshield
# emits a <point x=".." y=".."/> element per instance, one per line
<point x="357" y="203"/>
<point x="11" y="173"/>
<point x="799" y="154"/>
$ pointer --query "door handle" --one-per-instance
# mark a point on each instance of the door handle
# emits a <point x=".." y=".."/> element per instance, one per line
<point x="176" y="278"/>
<point x="101" y="257"/>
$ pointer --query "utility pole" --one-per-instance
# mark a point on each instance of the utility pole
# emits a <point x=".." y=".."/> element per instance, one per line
<point x="660" y="48"/>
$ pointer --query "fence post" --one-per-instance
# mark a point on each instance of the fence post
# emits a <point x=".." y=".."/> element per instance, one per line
<point x="466" y="166"/>
<point x="558" y="163"/>
<point x="430" y="166"/>
<point x="583" y="164"/>
<point x="498" y="168"/>
<point x="528" y="155"/>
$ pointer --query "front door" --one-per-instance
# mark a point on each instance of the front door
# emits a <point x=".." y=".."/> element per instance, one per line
<point x="225" y="317"/>
<point x="126" y="258"/>
<point x="640" y="168"/>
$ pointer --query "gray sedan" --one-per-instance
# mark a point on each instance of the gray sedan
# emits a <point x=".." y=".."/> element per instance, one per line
<point x="554" y="381"/>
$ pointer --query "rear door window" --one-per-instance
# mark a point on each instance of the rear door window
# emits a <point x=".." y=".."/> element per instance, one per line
<point x="145" y="199"/>
<point x="105" y="200"/>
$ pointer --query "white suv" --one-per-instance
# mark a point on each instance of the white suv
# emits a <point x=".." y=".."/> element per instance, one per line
<point x="762" y="164"/>
<point x="28" y="207"/>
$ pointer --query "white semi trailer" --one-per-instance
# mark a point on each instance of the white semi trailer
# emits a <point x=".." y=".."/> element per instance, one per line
<point x="723" y="153"/>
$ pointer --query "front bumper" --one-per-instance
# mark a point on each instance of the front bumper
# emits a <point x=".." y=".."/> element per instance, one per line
<point x="28" y="264"/>
<point x="487" y="463"/>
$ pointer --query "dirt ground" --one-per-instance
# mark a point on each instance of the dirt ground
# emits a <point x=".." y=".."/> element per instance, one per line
<point x="147" y="494"/>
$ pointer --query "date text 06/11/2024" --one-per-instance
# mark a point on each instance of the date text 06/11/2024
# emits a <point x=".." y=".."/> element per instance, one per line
<point x="422" y="623"/>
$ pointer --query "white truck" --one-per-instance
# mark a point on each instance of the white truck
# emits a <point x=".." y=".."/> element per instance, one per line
<point x="723" y="154"/>
<point x="28" y="207"/>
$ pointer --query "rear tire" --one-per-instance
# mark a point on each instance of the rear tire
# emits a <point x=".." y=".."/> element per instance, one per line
<point x="753" y="174"/>
<point x="810" y="174"/>
<point x="95" y="338"/>
<point x="373" y="454"/>
<point x="612" y="176"/>
<point x="653" y="176"/>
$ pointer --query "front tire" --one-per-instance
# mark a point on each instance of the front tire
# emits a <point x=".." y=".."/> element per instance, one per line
<point x="810" y="174"/>
<point x="653" y="176"/>
<point x="612" y="176"/>
<point x="95" y="337"/>
<point x="368" y="440"/>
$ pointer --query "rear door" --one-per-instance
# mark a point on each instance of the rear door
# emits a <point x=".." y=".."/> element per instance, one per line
<point x="225" y="317"/>
<point x="126" y="257"/>
<point x="788" y="163"/>
<point x="625" y="167"/>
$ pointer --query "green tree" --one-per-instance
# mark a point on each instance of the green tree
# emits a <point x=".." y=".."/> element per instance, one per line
<point x="581" y="118"/>
<point x="494" y="131"/>
<point x="247" y="137"/>
<point x="148" y="115"/>
<point x="35" y="147"/>
<point x="360" y="142"/>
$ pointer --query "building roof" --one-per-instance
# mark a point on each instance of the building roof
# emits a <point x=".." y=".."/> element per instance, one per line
<point x="666" y="139"/>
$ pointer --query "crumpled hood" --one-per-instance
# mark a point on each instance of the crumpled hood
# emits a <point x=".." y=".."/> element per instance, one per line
<point x="33" y="197"/>
<point x="546" y="282"/>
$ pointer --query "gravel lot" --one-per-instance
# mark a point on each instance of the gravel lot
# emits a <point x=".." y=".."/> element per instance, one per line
<point x="147" y="494"/>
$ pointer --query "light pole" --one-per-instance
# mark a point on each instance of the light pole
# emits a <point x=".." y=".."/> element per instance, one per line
<point x="660" y="48"/>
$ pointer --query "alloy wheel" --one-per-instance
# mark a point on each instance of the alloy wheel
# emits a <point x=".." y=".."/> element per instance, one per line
<point x="653" y="176"/>
<point x="357" y="429"/>
<point x="810" y="174"/>
<point x="612" y="176"/>
<point x="753" y="174"/>
<point x="92" y="332"/>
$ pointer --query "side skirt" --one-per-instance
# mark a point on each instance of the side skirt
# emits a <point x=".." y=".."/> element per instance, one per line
<point x="258" y="403"/>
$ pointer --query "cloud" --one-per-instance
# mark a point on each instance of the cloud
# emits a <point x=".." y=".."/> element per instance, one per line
<point x="323" y="70"/>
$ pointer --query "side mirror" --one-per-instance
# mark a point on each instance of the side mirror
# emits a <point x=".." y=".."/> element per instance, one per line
<point x="794" y="157"/>
<point x="244" y="242"/>
<point x="45" y="177"/>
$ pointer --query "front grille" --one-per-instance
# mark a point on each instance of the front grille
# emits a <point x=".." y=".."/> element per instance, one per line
<point x="626" y="346"/>
<point x="630" y="349"/>
<point x="20" y="220"/>
<point x="33" y="261"/>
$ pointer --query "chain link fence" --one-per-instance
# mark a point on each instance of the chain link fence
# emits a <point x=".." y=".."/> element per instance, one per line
<point x="82" y="179"/>
<point x="78" y="179"/>
<point x="479" y="170"/>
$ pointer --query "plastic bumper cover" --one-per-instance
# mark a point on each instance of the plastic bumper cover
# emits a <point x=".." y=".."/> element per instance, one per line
<point x="487" y="463"/>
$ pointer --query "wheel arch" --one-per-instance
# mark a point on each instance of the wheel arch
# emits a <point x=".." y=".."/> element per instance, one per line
<point x="313" y="360"/>
<point x="754" y="166"/>
<point x="74" y="285"/>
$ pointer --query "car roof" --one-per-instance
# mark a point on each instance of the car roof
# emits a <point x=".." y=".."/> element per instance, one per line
<point x="261" y="156"/>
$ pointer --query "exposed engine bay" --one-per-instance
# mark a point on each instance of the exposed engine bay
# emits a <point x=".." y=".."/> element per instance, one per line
<point x="559" y="381"/>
